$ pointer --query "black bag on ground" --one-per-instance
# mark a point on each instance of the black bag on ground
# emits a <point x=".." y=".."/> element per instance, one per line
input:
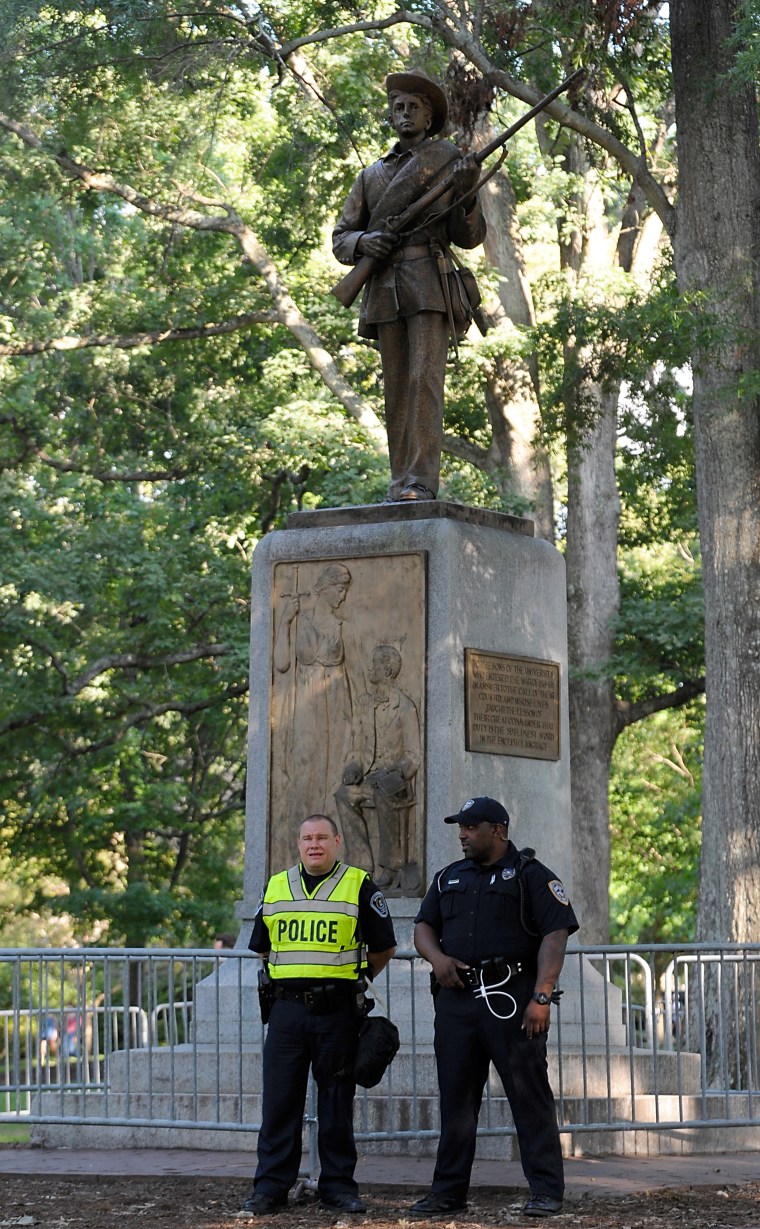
<point x="376" y="1048"/>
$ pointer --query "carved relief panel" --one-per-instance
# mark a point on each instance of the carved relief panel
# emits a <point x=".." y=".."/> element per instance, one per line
<point x="347" y="711"/>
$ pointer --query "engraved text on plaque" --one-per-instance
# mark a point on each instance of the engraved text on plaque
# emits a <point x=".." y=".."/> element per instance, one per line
<point x="512" y="705"/>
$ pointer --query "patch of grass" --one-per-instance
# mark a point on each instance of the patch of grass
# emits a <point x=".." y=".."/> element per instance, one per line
<point x="14" y="1133"/>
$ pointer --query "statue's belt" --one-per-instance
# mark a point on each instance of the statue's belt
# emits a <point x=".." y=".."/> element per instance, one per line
<point x="414" y="251"/>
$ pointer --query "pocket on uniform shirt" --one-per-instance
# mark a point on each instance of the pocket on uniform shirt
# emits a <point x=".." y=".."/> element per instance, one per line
<point x="451" y="895"/>
<point x="504" y="898"/>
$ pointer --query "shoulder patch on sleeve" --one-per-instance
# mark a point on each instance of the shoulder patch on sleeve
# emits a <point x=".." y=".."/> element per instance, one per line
<point x="557" y="890"/>
<point x="379" y="904"/>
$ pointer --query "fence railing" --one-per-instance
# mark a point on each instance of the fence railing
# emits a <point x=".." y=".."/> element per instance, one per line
<point x="645" y="1038"/>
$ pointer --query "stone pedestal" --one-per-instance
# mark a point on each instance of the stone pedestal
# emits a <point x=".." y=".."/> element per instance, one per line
<point x="488" y="586"/>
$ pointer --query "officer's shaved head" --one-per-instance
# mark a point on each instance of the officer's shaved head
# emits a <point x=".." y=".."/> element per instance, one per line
<point x="321" y="819"/>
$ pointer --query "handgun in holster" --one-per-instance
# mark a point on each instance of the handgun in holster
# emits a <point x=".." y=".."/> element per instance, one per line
<point x="266" y="994"/>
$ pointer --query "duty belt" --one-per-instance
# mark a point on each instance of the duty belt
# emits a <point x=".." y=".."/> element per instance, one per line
<point x="498" y="967"/>
<point x="491" y="972"/>
<point x="494" y="971"/>
<point x="319" y="998"/>
<point x="489" y="980"/>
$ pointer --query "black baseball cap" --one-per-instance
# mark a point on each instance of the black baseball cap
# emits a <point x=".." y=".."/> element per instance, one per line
<point x="480" y="810"/>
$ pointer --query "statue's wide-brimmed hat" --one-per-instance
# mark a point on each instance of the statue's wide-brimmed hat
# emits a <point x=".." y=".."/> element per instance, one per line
<point x="417" y="82"/>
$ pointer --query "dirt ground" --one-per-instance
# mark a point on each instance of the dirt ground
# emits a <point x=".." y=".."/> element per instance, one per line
<point x="206" y="1203"/>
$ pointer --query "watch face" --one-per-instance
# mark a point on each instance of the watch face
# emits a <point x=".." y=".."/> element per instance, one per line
<point x="543" y="999"/>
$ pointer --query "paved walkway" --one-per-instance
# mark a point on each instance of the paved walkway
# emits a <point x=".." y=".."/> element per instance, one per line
<point x="584" y="1175"/>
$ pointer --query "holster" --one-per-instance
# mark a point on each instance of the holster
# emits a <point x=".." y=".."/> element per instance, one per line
<point x="266" y="995"/>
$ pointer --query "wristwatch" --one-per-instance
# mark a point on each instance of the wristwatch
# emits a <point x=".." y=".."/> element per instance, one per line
<point x="543" y="999"/>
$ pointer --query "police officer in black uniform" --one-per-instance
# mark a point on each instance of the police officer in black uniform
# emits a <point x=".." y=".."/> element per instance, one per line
<point x="494" y="927"/>
<point x="322" y="925"/>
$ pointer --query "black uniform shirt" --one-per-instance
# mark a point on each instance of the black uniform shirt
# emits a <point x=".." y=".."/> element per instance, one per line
<point x="476" y="910"/>
<point x="375" y="921"/>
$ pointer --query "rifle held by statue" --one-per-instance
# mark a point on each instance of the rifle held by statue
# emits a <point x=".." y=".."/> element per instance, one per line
<point x="347" y="289"/>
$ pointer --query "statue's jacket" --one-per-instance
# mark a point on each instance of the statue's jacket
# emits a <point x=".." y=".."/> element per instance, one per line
<point x="409" y="281"/>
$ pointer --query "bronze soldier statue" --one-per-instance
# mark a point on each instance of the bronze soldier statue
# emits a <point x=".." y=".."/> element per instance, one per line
<point x="407" y="303"/>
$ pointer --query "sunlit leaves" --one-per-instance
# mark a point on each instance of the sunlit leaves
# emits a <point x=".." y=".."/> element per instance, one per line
<point x="655" y="808"/>
<point x="660" y="625"/>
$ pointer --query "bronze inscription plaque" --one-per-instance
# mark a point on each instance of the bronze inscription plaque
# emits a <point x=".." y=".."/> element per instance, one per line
<point x="512" y="705"/>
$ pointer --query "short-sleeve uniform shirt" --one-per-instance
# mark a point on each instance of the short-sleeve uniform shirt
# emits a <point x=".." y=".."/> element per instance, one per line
<point x="499" y="910"/>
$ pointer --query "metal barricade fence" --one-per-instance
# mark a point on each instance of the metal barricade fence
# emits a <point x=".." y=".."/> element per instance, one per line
<point x="646" y="1038"/>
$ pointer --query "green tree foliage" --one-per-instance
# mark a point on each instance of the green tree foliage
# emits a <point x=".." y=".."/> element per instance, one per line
<point x="136" y="478"/>
<point x="156" y="417"/>
<point x="132" y="487"/>
<point x="655" y="805"/>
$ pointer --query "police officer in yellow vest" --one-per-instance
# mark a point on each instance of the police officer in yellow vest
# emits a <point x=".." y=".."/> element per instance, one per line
<point x="322" y="926"/>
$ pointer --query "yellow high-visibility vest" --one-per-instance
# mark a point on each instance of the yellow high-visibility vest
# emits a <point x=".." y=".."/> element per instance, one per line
<point x="315" y="935"/>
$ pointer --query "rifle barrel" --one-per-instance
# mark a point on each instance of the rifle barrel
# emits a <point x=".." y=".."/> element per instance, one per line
<point x="347" y="289"/>
<point x="540" y="106"/>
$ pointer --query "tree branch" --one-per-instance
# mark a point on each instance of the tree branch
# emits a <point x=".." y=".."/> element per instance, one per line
<point x="145" y="714"/>
<point x="465" y="450"/>
<point x="485" y="459"/>
<point x="288" y="312"/>
<point x="55" y="660"/>
<point x="114" y="661"/>
<point x="128" y="341"/>
<point x="635" y="165"/>
<point x="627" y="714"/>
<point x="111" y="475"/>
<point x="150" y="711"/>
<point x="454" y="32"/>
<point x="399" y="18"/>
<point x="30" y="448"/>
<point x="139" y="661"/>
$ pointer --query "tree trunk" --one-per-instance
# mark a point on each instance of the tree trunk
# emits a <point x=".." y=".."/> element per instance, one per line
<point x="593" y="514"/>
<point x="512" y="384"/>
<point x="593" y="596"/>
<point x="593" y="511"/>
<point x="717" y="243"/>
<point x="717" y="247"/>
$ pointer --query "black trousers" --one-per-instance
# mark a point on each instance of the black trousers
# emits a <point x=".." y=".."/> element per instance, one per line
<point x="467" y="1038"/>
<point x="296" y="1040"/>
